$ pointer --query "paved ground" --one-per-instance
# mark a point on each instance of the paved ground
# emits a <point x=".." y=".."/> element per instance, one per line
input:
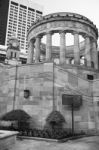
<point x="88" y="143"/>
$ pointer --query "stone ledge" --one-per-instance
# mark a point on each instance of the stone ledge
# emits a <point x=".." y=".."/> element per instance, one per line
<point x="89" y="134"/>
<point x="53" y="140"/>
<point x="7" y="139"/>
<point x="5" y="134"/>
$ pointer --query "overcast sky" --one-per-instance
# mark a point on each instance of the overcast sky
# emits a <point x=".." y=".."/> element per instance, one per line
<point x="88" y="8"/>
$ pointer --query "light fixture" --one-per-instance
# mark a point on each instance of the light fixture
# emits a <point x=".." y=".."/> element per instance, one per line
<point x="26" y="93"/>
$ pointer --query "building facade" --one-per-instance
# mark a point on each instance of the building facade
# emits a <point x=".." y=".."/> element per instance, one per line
<point x="17" y="16"/>
<point x="3" y="52"/>
<point x="53" y="86"/>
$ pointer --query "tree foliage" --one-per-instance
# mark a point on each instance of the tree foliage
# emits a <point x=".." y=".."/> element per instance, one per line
<point x="55" y="117"/>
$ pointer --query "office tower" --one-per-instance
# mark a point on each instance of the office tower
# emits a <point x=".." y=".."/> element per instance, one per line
<point x="16" y="16"/>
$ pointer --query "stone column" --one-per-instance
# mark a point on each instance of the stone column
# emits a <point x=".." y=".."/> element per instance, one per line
<point x="76" y="49"/>
<point x="68" y="61"/>
<point x="48" y="46"/>
<point x="87" y="52"/>
<point x="30" y="51"/>
<point x="37" y="48"/>
<point x="94" y="54"/>
<point x="62" y="47"/>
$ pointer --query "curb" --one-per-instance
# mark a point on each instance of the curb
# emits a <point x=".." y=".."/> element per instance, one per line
<point x="37" y="138"/>
<point x="54" y="140"/>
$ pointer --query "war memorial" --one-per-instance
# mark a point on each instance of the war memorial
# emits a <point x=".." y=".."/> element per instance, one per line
<point x="54" y="77"/>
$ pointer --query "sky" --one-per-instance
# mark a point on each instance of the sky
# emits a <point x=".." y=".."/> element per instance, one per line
<point x="87" y="8"/>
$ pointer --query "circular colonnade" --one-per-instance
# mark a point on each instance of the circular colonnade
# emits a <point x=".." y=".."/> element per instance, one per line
<point x="64" y="23"/>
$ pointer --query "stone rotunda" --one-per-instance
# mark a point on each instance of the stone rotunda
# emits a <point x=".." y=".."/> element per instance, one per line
<point x="64" y="23"/>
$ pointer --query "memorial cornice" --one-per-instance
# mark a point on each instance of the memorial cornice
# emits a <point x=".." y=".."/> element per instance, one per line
<point x="64" y="16"/>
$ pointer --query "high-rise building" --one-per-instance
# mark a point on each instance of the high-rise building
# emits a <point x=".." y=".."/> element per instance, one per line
<point x="16" y="16"/>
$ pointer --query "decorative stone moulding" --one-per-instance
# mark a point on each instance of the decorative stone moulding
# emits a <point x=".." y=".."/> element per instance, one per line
<point x="70" y="21"/>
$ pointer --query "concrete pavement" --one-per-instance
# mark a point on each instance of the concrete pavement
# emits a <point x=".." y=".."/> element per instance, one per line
<point x="87" y="143"/>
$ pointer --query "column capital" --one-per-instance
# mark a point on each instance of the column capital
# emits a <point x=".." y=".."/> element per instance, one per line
<point x="75" y="32"/>
<point x="93" y="40"/>
<point x="85" y="36"/>
<point x="39" y="36"/>
<point x="62" y="31"/>
<point x="32" y="40"/>
<point x="50" y="32"/>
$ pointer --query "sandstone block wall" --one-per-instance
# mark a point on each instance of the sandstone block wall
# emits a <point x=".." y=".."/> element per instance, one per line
<point x="46" y="83"/>
<point x="69" y="83"/>
<point x="38" y="79"/>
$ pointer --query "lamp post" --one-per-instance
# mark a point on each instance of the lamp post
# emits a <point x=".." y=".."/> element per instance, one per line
<point x="14" y="97"/>
<point x="54" y="106"/>
<point x="72" y="108"/>
<point x="74" y="102"/>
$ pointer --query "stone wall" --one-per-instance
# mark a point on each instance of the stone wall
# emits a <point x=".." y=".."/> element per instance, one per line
<point x="38" y="79"/>
<point x="96" y="101"/>
<point x="4" y="88"/>
<point x="46" y="83"/>
<point x="69" y="83"/>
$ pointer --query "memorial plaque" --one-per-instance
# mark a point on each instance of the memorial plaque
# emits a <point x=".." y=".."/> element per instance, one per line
<point x="72" y="100"/>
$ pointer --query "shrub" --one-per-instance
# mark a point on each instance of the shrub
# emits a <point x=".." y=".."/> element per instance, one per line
<point x="54" y="125"/>
<point x="23" y="125"/>
<point x="33" y="122"/>
<point x="55" y="116"/>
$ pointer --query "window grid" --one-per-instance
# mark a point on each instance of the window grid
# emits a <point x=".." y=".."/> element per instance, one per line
<point x="20" y="19"/>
